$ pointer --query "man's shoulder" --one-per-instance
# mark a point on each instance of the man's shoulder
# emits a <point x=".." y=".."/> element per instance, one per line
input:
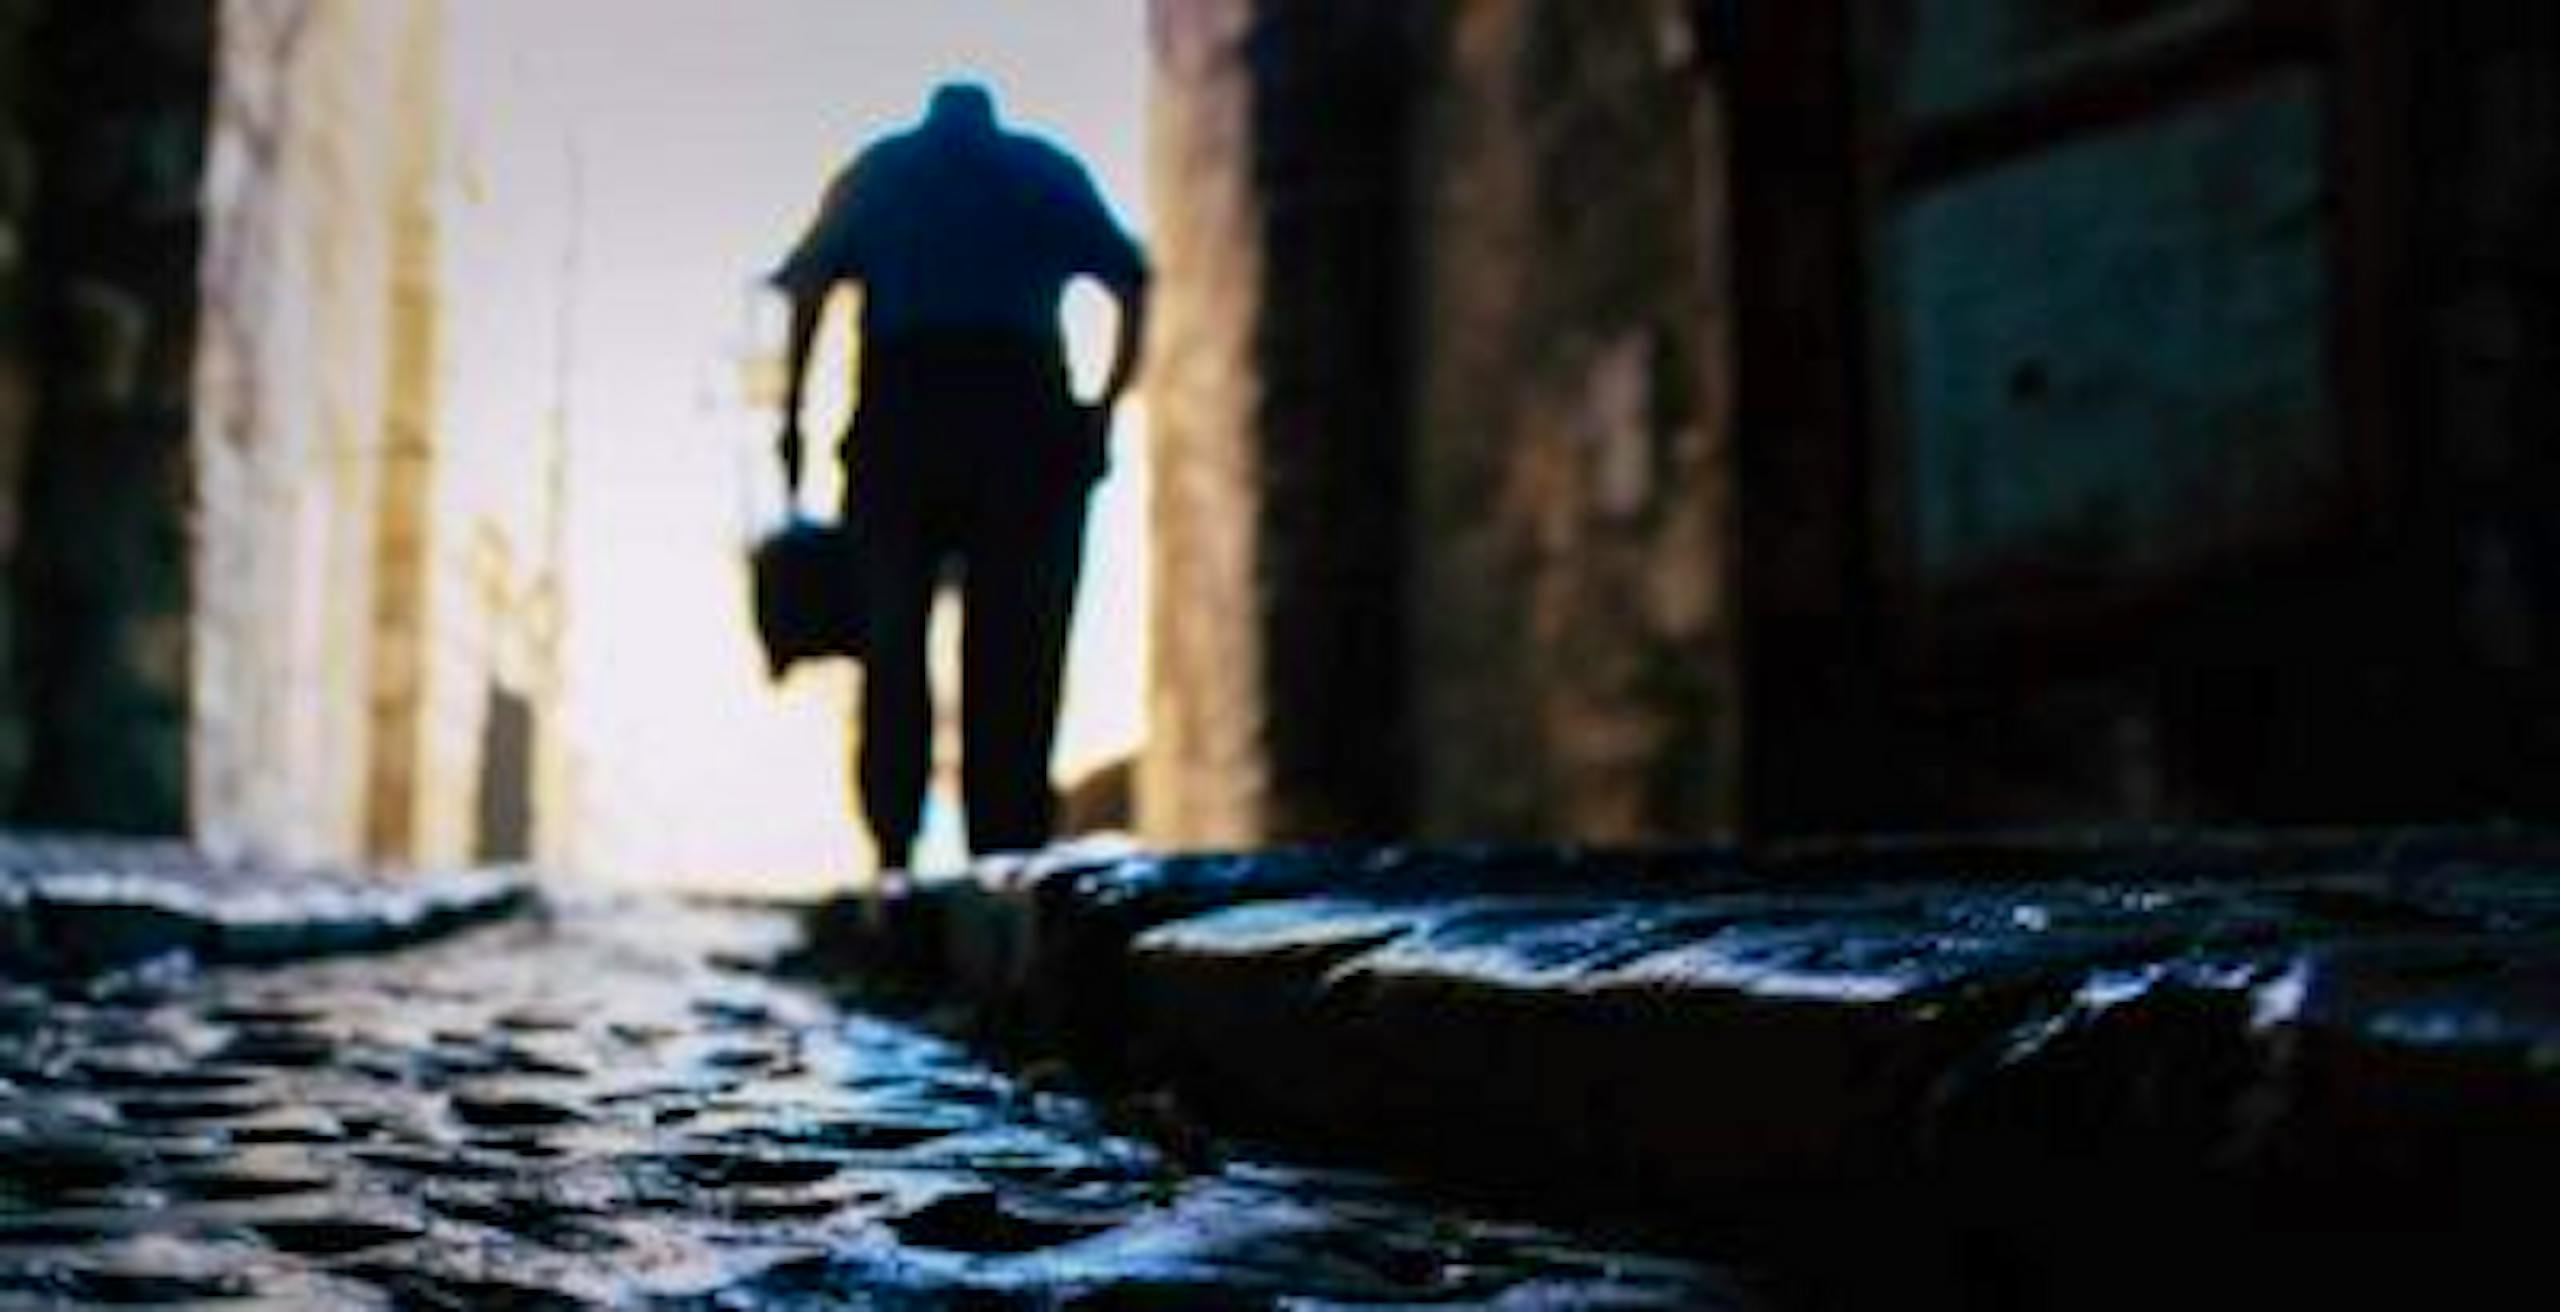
<point x="1038" y="155"/>
<point x="886" y="154"/>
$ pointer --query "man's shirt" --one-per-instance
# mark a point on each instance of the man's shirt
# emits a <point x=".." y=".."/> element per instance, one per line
<point x="961" y="230"/>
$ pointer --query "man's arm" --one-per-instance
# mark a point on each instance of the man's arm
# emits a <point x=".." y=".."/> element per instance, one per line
<point x="822" y="257"/>
<point x="805" y="306"/>
<point x="1127" y="343"/>
<point x="1092" y="243"/>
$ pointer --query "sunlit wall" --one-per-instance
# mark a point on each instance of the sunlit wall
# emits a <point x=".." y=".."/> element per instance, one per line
<point x="318" y="191"/>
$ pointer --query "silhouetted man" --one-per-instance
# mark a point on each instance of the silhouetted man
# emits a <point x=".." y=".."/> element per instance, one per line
<point x="968" y="452"/>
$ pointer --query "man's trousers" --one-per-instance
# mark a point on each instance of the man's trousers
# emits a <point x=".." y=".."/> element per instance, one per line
<point x="968" y="463"/>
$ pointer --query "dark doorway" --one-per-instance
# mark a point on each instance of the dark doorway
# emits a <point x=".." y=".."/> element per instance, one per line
<point x="505" y="830"/>
<point x="2082" y="476"/>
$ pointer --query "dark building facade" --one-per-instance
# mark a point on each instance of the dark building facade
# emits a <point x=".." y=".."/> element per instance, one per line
<point x="102" y="127"/>
<point x="1842" y="415"/>
<point x="2142" y="411"/>
<point x="1440" y="393"/>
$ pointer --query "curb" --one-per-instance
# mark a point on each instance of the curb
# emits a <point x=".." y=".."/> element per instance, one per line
<point x="71" y="908"/>
<point x="2008" y="1033"/>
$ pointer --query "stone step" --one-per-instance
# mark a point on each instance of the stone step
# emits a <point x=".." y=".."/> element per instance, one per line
<point x="75" y="905"/>
<point x="2008" y="1036"/>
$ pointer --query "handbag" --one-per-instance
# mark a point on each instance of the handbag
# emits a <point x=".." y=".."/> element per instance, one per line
<point x="809" y="595"/>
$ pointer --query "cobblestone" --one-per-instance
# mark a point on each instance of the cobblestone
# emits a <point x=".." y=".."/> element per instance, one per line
<point x="599" y="1107"/>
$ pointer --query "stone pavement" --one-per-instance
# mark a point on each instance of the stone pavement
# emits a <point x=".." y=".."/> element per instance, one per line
<point x="76" y="905"/>
<point x="2285" y="1056"/>
<point x="615" y="1104"/>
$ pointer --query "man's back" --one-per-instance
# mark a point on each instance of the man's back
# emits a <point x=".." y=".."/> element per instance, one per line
<point x="959" y="224"/>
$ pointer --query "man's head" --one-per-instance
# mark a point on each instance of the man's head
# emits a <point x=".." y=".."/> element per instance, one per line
<point x="964" y="108"/>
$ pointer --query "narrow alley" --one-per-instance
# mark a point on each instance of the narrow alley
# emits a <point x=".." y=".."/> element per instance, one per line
<point x="1794" y="655"/>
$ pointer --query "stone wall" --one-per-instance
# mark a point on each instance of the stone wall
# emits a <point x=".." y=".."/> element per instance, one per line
<point x="2488" y="140"/>
<point x="1203" y="778"/>
<point x="2140" y="417"/>
<point x="491" y="764"/>
<point x="1439" y="391"/>
<point x="1571" y="542"/>
<point x="294" y="395"/>
<point x="102" y="111"/>
<point x="378" y="436"/>
<point x="1276" y="400"/>
<point x="18" y="299"/>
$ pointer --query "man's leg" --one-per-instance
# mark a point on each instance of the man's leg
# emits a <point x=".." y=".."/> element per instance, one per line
<point x="1019" y="595"/>
<point x="896" y="736"/>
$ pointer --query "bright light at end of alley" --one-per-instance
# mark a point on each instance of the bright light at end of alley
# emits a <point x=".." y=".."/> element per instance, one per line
<point x="692" y="141"/>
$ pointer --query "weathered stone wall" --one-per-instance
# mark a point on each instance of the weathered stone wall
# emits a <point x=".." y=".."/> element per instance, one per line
<point x="102" y="111"/>
<point x="1573" y="646"/>
<point x="1203" y="778"/>
<point x="294" y="394"/>
<point x="378" y="438"/>
<point x="2488" y="147"/>
<point x="489" y="761"/>
<point x="1277" y="400"/>
<point x="18" y="59"/>
<point x="1440" y="397"/>
<point x="403" y="527"/>
<point x="2142" y="425"/>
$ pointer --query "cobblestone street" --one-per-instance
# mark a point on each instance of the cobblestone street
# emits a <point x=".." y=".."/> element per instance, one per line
<point x="613" y="1105"/>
